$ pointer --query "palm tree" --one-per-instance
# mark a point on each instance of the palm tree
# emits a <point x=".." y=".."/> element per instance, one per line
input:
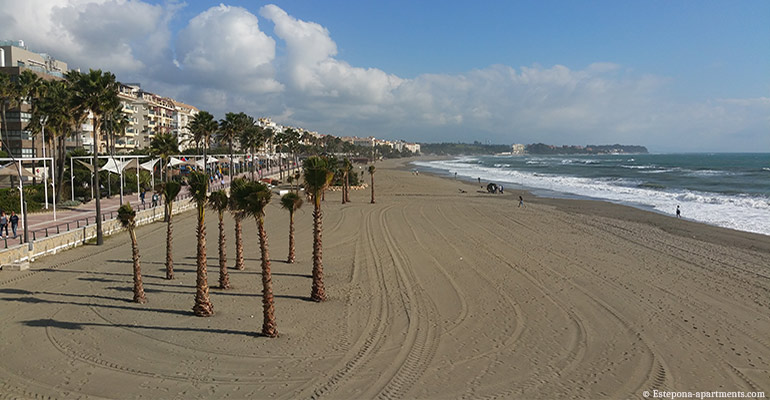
<point x="127" y="215"/>
<point x="318" y="176"/>
<point x="251" y="138"/>
<point x="8" y="95"/>
<point x="238" y="217"/>
<point x="114" y="124"/>
<point x="169" y="190"/>
<point x="251" y="198"/>
<point x="291" y="202"/>
<point x="203" y="125"/>
<point x="219" y="201"/>
<point x="347" y="166"/>
<point x="54" y="113"/>
<point x="230" y="128"/>
<point x="199" y="183"/>
<point x="164" y="145"/>
<point x="97" y="92"/>
<point x="371" y="174"/>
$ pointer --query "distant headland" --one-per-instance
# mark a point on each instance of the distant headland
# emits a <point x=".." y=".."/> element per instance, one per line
<point x="520" y="149"/>
<point x="540" y="148"/>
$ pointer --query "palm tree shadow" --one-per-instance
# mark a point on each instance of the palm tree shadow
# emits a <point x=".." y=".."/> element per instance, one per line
<point x="219" y="291"/>
<point x="150" y="262"/>
<point x="47" y="322"/>
<point x="287" y="296"/>
<point x="74" y="271"/>
<point x="297" y="275"/>
<point x="90" y="296"/>
<point x="36" y="300"/>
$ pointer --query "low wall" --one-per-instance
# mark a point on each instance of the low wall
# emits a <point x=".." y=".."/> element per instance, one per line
<point x="77" y="237"/>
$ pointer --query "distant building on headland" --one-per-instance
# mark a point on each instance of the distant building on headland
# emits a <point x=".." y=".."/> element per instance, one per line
<point x="518" y="149"/>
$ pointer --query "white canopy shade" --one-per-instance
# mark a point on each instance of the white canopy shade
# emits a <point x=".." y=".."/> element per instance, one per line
<point x="87" y="165"/>
<point x="149" y="165"/>
<point x="113" y="166"/>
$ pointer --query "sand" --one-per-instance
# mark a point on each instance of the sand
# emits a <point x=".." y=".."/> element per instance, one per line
<point x="433" y="293"/>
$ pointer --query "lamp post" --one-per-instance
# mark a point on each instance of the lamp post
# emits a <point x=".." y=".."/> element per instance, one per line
<point x="43" y="121"/>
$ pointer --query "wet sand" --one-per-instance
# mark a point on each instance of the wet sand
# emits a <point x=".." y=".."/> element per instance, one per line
<point x="433" y="293"/>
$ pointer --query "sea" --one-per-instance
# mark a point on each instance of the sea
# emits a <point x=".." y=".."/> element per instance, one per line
<point x="723" y="189"/>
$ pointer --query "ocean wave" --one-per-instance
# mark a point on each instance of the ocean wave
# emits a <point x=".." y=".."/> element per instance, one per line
<point x="737" y="211"/>
<point x="639" y="166"/>
<point x="708" y="172"/>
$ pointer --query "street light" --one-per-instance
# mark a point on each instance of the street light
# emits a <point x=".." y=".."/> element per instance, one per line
<point x="43" y="121"/>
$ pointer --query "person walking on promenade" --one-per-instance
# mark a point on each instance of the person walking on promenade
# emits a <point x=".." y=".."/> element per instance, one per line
<point x="3" y="224"/>
<point x="141" y="195"/>
<point x="155" y="199"/>
<point x="14" y="223"/>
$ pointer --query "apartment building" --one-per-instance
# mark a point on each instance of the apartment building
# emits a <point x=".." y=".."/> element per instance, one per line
<point x="183" y="114"/>
<point x="159" y="114"/>
<point x="15" y="58"/>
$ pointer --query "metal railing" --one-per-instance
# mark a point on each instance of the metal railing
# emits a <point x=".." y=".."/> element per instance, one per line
<point x="6" y="241"/>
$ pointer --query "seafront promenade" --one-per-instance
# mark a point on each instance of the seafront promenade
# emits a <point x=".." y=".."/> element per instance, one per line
<point x="42" y="224"/>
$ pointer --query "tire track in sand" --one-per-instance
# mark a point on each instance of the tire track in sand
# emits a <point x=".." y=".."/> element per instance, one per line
<point x="373" y="336"/>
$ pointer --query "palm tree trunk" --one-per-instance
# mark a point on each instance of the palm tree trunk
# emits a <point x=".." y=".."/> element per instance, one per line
<point x="238" y="244"/>
<point x="97" y="188"/>
<point x="230" y="173"/>
<point x="61" y="150"/>
<point x="290" y="260"/>
<point x="372" y="175"/>
<point x="169" y="256"/>
<point x="268" y="306"/>
<point x="224" y="279"/>
<point x="318" y="293"/>
<point x="253" y="164"/>
<point x="138" y="287"/>
<point x="347" y="186"/>
<point x="203" y="307"/>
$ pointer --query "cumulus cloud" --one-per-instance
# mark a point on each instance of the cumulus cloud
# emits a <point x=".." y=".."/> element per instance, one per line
<point x="224" y="60"/>
<point x="106" y="34"/>
<point x="313" y="69"/>
<point x="226" y="42"/>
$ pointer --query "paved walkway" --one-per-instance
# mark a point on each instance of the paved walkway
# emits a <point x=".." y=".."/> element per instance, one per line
<point x="42" y="224"/>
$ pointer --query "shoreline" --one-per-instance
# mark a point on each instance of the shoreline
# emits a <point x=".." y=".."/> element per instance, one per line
<point x="682" y="227"/>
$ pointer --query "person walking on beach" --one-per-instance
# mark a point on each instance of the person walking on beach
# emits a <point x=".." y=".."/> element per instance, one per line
<point x="521" y="201"/>
<point x="501" y="189"/>
<point x="14" y="223"/>
<point x="678" y="212"/>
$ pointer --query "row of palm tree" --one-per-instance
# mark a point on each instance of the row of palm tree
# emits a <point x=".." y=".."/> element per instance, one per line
<point x="248" y="198"/>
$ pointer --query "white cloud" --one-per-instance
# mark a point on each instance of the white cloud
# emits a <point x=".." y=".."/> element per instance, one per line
<point x="313" y="69"/>
<point x="223" y="60"/>
<point x="106" y="34"/>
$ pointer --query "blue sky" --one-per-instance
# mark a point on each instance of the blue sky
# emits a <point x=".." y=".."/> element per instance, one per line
<point x="671" y="75"/>
<point x="710" y="48"/>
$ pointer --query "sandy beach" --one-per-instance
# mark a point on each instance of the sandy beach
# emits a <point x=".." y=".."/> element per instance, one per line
<point x="434" y="293"/>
